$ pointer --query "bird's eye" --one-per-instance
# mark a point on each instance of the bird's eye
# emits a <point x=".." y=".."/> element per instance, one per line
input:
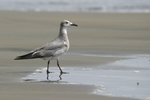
<point x="66" y="22"/>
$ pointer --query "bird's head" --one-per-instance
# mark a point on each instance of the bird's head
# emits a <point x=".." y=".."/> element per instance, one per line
<point x="67" y="23"/>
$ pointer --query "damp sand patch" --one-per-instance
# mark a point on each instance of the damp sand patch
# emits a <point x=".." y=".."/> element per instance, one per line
<point x="134" y="83"/>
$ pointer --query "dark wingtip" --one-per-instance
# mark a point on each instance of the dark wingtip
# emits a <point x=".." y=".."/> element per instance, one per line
<point x="17" y="58"/>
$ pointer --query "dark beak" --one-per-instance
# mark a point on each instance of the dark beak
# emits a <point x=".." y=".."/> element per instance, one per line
<point x="74" y="24"/>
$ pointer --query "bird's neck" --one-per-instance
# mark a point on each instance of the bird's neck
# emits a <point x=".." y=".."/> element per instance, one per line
<point x="63" y="33"/>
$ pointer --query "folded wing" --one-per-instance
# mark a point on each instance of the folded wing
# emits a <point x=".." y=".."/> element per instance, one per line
<point x="45" y="51"/>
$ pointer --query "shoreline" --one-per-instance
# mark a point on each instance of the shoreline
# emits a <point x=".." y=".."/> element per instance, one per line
<point x="121" y="71"/>
<point x="75" y="12"/>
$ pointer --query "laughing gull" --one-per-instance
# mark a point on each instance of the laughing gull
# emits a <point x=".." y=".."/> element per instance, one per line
<point x="53" y="49"/>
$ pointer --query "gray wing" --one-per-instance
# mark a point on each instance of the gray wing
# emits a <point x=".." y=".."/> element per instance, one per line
<point x="55" y="44"/>
<point x="48" y="49"/>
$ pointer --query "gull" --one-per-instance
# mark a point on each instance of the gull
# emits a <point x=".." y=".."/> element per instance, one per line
<point x="54" y="49"/>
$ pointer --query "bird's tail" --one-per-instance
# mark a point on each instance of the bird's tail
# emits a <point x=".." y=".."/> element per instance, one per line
<point x="26" y="56"/>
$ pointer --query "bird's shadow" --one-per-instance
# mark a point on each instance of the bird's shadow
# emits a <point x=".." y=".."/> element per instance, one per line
<point x="60" y="75"/>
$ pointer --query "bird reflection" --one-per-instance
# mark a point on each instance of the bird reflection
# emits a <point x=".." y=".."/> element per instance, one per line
<point x="60" y="78"/>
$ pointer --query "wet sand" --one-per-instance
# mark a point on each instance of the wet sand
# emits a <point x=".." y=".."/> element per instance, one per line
<point x="106" y="34"/>
<point x="122" y="78"/>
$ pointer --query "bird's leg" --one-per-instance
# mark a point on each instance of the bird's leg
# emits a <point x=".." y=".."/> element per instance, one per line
<point x="60" y="69"/>
<point x="59" y="66"/>
<point x="48" y="66"/>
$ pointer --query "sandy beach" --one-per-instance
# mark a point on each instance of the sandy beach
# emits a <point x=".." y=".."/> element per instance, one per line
<point x="98" y="34"/>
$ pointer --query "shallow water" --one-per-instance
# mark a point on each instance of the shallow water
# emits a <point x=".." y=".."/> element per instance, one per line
<point x="122" y="83"/>
<point x="77" y="6"/>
